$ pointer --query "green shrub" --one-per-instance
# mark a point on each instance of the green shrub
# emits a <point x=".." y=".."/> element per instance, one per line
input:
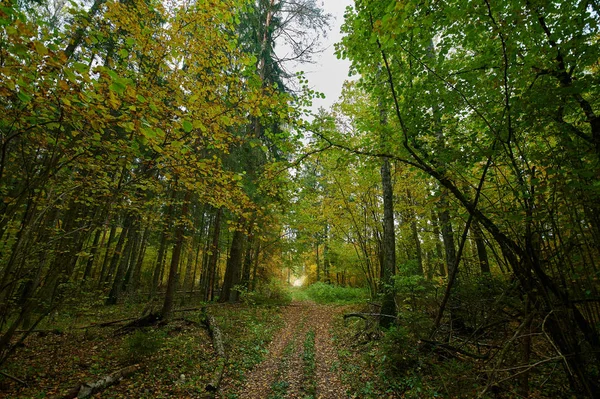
<point x="327" y="293"/>
<point x="143" y="343"/>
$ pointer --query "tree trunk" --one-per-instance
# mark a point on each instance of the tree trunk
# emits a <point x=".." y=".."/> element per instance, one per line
<point x="318" y="265"/>
<point x="107" y="257"/>
<point x="484" y="263"/>
<point x="438" y="244"/>
<point x="114" y="261"/>
<point x="234" y="266"/>
<point x="167" y="308"/>
<point x="447" y="233"/>
<point x="388" y="306"/>
<point x="119" y="279"/>
<point x="90" y="263"/>
<point x="137" y="271"/>
<point x="415" y="232"/>
<point x="214" y="257"/>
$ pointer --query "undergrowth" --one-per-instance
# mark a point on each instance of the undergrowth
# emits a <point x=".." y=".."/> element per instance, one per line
<point x="272" y="292"/>
<point x="308" y="357"/>
<point x="327" y="293"/>
<point x="465" y="358"/>
<point x="177" y="359"/>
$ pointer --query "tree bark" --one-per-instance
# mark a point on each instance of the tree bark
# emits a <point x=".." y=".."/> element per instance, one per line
<point x="234" y="266"/>
<point x="167" y="308"/>
<point x="388" y="306"/>
<point x="484" y="263"/>
<point x="214" y="257"/>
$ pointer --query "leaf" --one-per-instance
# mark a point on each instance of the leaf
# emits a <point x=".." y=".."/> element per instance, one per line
<point x="25" y="98"/>
<point x="118" y="87"/>
<point x="187" y="126"/>
<point x="40" y="48"/>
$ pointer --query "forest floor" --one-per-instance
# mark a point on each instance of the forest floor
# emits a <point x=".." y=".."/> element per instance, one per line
<point x="272" y="352"/>
<point x="302" y="361"/>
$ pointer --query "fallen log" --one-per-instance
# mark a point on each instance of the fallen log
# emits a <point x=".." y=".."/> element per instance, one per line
<point x="365" y="315"/>
<point x="148" y="320"/>
<point x="89" y="388"/>
<point x="105" y="324"/>
<point x="217" y="338"/>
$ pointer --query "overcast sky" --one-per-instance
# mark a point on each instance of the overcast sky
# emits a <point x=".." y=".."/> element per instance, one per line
<point x="328" y="74"/>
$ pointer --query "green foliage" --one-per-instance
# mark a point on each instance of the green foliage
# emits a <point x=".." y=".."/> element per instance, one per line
<point x="279" y="389"/>
<point x="415" y="292"/>
<point x="399" y="349"/>
<point x="308" y="356"/>
<point x="328" y="293"/>
<point x="273" y="292"/>
<point x="143" y="343"/>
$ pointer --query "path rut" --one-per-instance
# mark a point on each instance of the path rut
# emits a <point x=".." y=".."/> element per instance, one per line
<point x="285" y="372"/>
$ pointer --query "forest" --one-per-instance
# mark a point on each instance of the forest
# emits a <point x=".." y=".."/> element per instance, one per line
<point x="178" y="221"/>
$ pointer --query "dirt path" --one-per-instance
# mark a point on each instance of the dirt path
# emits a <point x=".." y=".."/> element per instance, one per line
<point x="302" y="361"/>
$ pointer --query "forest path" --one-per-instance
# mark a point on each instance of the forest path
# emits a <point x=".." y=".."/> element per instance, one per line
<point x="302" y="361"/>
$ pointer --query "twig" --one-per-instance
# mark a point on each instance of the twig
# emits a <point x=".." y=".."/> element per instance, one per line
<point x="553" y="344"/>
<point x="14" y="378"/>
<point x="455" y="349"/>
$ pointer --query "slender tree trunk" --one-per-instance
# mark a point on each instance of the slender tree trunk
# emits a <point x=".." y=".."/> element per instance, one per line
<point x="447" y="233"/>
<point x="89" y="266"/>
<point x="388" y="306"/>
<point x="114" y="261"/>
<point x="167" y="308"/>
<point x="415" y="233"/>
<point x="159" y="266"/>
<point x="119" y="279"/>
<point x="214" y="257"/>
<point x="255" y="266"/>
<point x="484" y="263"/>
<point x="137" y="271"/>
<point x="318" y="264"/>
<point x="438" y="245"/>
<point x="107" y="257"/>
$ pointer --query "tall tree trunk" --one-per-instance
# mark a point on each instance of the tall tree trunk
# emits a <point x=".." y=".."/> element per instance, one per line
<point x="484" y="263"/>
<point x="447" y="232"/>
<point x="255" y="266"/>
<point x="415" y="232"/>
<point x="388" y="306"/>
<point x="89" y="266"/>
<point x="107" y="257"/>
<point x="162" y="250"/>
<point x="214" y="257"/>
<point x="119" y="280"/>
<point x="326" y="256"/>
<point x="167" y="308"/>
<point x="137" y="271"/>
<point x="318" y="263"/>
<point x="114" y="261"/>
<point x="234" y="266"/>
<point x="438" y="244"/>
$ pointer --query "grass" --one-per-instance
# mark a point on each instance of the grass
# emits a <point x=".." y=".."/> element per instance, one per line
<point x="308" y="356"/>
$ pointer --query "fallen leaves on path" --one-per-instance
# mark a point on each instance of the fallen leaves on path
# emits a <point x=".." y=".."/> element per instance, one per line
<point x="281" y="374"/>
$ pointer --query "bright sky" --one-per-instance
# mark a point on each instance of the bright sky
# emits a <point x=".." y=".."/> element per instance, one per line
<point x="328" y="74"/>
